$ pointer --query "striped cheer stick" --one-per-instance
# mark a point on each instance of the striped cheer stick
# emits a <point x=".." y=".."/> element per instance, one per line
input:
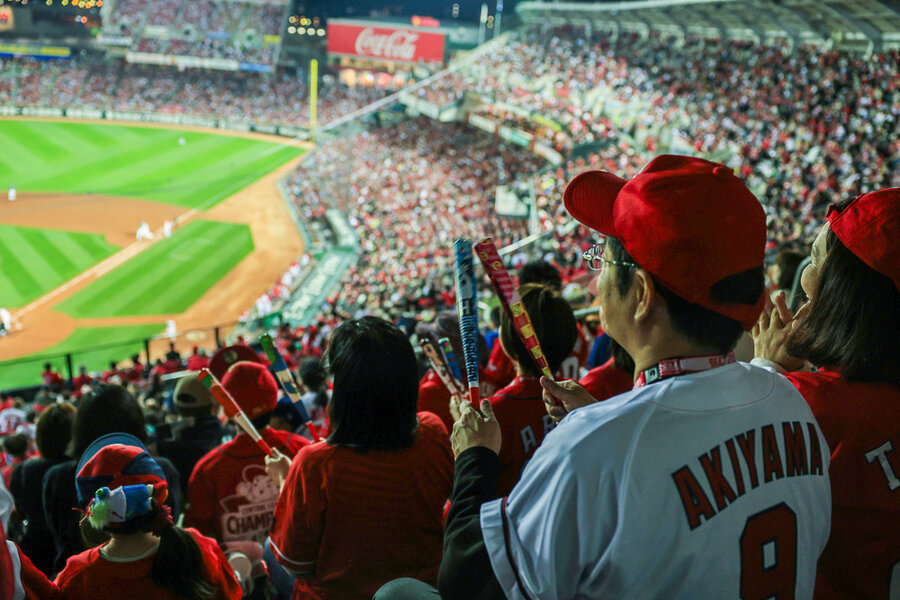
<point x="437" y="363"/>
<point x="445" y="350"/>
<point x="467" y="308"/>
<point x="288" y="384"/>
<point x="512" y="303"/>
<point x="232" y="409"/>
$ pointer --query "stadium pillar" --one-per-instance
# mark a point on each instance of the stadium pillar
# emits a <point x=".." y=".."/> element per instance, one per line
<point x="218" y="339"/>
<point x="482" y="23"/>
<point x="70" y="370"/>
<point x="147" y="350"/>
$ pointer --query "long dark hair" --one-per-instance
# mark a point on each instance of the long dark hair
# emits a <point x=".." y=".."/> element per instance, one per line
<point x="376" y="386"/>
<point x="554" y="324"/>
<point x="178" y="565"/>
<point x="853" y="323"/>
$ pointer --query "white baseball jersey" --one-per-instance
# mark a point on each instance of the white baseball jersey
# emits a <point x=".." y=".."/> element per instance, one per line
<point x="707" y="485"/>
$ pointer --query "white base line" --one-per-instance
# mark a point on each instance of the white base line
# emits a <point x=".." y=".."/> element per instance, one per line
<point x="103" y="267"/>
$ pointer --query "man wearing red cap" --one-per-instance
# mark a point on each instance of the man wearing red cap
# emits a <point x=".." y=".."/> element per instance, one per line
<point x="230" y="497"/>
<point x="709" y="479"/>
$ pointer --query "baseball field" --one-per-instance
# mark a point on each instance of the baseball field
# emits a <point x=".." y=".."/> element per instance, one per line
<point x="72" y="272"/>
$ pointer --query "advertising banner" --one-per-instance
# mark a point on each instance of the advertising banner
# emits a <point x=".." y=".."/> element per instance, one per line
<point x="35" y="50"/>
<point x="385" y="42"/>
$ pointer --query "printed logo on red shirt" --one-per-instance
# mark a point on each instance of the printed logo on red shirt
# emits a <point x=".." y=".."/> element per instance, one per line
<point x="247" y="515"/>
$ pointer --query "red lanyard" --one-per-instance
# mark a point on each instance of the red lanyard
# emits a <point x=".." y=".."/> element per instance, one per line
<point x="672" y="367"/>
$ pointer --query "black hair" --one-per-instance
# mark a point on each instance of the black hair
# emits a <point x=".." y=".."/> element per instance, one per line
<point x="853" y="323"/>
<point x="16" y="444"/>
<point x="178" y="563"/>
<point x="376" y="386"/>
<point x="540" y="271"/>
<point x="554" y="324"/>
<point x="696" y="323"/>
<point x="106" y="409"/>
<point x="314" y="379"/>
<point x="54" y="431"/>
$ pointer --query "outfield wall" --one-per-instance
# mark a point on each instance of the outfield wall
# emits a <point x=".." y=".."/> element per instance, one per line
<point x="151" y="117"/>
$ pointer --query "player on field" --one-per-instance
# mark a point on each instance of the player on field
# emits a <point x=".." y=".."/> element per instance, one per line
<point x="709" y="479"/>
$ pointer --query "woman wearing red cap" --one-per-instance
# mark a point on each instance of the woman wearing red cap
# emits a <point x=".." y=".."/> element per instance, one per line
<point x="122" y="490"/>
<point x="850" y="329"/>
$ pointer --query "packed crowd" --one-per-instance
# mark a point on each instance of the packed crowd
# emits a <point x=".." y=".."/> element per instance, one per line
<point x="280" y="99"/>
<point x="214" y="29"/>
<point x="348" y="497"/>
<point x="409" y="190"/>
<point x="801" y="127"/>
<point x="539" y="465"/>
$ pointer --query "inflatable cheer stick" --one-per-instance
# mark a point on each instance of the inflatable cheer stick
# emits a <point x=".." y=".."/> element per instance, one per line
<point x="288" y="384"/>
<point x="467" y="308"/>
<point x="512" y="303"/>
<point x="233" y="410"/>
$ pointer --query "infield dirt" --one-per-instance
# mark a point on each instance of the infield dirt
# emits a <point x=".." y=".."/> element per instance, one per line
<point x="260" y="205"/>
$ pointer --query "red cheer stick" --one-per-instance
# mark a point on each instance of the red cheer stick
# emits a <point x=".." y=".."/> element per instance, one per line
<point x="512" y="303"/>
<point x="233" y="410"/>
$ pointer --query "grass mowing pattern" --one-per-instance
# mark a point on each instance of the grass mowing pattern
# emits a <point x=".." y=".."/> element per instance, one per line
<point x="34" y="261"/>
<point x="123" y="341"/>
<point x="169" y="276"/>
<point x="136" y="162"/>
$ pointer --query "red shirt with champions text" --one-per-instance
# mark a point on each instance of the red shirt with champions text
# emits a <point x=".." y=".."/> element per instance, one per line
<point x="230" y="496"/>
<point x="350" y="522"/>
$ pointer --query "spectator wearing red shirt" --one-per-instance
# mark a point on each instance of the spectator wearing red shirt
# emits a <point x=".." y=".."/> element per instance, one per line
<point x="230" y="496"/>
<point x="83" y="379"/>
<point x="614" y="377"/>
<point x="518" y="406"/>
<point x="147" y="556"/>
<point x="851" y="329"/>
<point x="366" y="505"/>
<point x="51" y="378"/>
<point x="197" y="360"/>
<point x="112" y="374"/>
<point x="16" y="447"/>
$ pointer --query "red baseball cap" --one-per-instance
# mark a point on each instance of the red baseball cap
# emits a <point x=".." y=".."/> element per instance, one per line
<point x="870" y="228"/>
<point x="687" y="221"/>
<point x="253" y="387"/>
<point x="225" y="357"/>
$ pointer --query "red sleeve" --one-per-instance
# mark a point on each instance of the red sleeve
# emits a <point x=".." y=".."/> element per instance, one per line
<point x="300" y="513"/>
<point x="220" y="573"/>
<point x="35" y="583"/>
<point x="201" y="497"/>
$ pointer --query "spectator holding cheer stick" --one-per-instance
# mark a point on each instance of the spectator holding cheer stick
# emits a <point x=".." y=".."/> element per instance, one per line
<point x="231" y="496"/>
<point x="850" y="329"/>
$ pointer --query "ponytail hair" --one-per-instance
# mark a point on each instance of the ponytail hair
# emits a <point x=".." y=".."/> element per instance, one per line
<point x="178" y="565"/>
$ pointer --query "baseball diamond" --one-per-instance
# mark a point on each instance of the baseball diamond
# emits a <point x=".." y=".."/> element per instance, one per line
<point x="68" y="248"/>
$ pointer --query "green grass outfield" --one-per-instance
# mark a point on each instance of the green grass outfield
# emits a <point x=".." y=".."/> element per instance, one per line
<point x="34" y="261"/>
<point x="123" y="341"/>
<point x="168" y="277"/>
<point x="136" y="162"/>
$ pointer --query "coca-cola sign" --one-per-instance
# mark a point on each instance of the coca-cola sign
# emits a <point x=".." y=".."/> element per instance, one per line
<point x="386" y="42"/>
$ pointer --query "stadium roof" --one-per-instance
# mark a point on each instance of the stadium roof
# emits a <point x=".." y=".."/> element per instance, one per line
<point x="869" y="25"/>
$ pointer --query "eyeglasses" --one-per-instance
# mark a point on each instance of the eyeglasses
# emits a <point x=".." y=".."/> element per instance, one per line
<point x="594" y="258"/>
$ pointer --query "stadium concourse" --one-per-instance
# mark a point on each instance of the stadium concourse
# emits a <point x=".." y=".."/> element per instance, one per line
<point x="803" y="122"/>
